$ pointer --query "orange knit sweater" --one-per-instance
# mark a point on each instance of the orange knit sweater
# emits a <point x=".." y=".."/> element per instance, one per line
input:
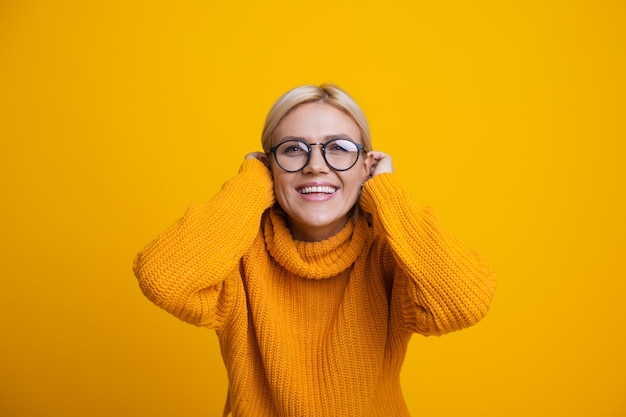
<point x="314" y="328"/>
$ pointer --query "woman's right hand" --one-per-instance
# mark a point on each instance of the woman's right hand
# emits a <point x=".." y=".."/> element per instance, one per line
<point x="260" y="156"/>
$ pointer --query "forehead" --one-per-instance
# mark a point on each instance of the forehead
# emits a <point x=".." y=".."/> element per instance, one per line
<point x="316" y="121"/>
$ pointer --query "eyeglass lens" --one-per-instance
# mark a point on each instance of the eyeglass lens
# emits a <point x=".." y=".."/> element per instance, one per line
<point x="340" y="154"/>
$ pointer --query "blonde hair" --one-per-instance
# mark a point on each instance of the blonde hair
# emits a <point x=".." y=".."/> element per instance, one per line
<point x="325" y="93"/>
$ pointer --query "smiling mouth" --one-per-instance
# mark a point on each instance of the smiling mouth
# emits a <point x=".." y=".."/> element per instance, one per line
<point x="317" y="189"/>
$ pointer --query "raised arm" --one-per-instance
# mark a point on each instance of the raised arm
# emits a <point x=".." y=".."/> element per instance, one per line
<point x="440" y="284"/>
<point x="184" y="268"/>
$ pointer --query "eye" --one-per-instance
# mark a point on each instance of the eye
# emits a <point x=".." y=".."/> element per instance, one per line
<point x="293" y="149"/>
<point x="341" y="146"/>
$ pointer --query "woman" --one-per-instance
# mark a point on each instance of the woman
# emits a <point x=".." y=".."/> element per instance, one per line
<point x="315" y="268"/>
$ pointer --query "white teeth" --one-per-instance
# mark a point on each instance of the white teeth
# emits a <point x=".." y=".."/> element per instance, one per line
<point x="317" y="189"/>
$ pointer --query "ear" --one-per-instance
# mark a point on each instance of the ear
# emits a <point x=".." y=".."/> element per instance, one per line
<point x="368" y="162"/>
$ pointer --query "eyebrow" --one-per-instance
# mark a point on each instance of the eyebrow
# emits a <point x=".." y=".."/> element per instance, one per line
<point x="327" y="138"/>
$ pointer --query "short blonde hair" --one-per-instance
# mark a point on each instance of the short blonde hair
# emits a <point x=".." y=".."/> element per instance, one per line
<point x="325" y="93"/>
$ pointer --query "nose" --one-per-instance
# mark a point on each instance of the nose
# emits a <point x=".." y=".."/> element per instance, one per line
<point x="317" y="163"/>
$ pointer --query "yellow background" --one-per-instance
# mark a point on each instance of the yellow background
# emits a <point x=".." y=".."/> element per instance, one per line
<point x="507" y="117"/>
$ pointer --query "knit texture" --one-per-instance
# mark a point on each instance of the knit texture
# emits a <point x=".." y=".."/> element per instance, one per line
<point x="314" y="328"/>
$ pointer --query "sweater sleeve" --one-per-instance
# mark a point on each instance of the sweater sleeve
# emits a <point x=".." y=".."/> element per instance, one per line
<point x="440" y="285"/>
<point x="184" y="268"/>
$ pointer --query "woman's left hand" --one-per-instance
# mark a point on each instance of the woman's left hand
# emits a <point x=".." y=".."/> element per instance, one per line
<point x="381" y="163"/>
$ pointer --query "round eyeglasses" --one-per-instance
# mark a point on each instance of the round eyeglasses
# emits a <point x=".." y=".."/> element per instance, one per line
<point x="293" y="155"/>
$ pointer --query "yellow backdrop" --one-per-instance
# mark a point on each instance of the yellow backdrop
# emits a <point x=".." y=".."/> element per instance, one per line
<point x="507" y="117"/>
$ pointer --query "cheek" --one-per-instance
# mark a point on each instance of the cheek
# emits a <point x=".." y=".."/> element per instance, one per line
<point x="353" y="184"/>
<point x="363" y="173"/>
<point x="281" y="186"/>
<point x="276" y="175"/>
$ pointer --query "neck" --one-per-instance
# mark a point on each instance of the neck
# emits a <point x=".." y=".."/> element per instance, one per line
<point x="307" y="233"/>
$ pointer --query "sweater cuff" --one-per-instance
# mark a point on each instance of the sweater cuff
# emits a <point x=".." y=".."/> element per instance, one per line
<point x="253" y="166"/>
<point x="378" y="190"/>
<point x="257" y="176"/>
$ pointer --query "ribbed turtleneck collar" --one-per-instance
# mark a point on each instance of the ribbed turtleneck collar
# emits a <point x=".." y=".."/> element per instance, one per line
<point x="315" y="260"/>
